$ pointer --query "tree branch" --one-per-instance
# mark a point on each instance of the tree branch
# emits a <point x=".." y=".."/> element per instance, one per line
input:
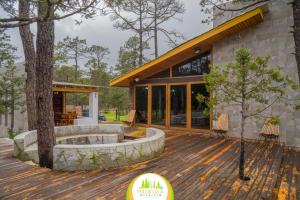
<point x="237" y="9"/>
<point x="267" y="107"/>
<point x="22" y="21"/>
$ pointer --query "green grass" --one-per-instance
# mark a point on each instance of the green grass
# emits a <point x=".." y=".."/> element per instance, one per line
<point x="111" y="116"/>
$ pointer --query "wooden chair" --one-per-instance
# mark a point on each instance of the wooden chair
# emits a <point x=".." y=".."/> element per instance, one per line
<point x="269" y="130"/>
<point x="130" y="118"/>
<point x="72" y="116"/>
<point x="221" y="127"/>
<point x="64" y="119"/>
<point x="58" y="118"/>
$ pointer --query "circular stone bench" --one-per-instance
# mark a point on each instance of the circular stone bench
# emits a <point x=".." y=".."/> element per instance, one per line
<point x="25" y="144"/>
<point x="70" y="157"/>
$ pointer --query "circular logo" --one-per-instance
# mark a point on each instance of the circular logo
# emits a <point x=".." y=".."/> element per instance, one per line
<point x="150" y="187"/>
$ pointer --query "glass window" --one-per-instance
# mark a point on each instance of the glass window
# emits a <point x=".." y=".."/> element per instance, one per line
<point x="163" y="74"/>
<point x="158" y="105"/>
<point x="196" y="66"/>
<point x="178" y="105"/>
<point x="199" y="120"/>
<point x="141" y="104"/>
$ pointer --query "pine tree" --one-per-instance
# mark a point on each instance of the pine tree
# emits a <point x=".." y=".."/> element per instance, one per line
<point x="161" y="11"/>
<point x="39" y="60"/>
<point x="251" y="85"/>
<point x="132" y="15"/>
<point x="129" y="55"/>
<point x="71" y="50"/>
<point x="12" y="84"/>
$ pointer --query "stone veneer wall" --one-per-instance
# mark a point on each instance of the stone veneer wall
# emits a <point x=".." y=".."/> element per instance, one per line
<point x="115" y="152"/>
<point x="23" y="141"/>
<point x="271" y="37"/>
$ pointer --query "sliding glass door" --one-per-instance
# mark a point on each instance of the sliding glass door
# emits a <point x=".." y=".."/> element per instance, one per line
<point x="178" y="106"/>
<point x="198" y="119"/>
<point x="172" y="106"/>
<point x="141" y="104"/>
<point x="158" y="105"/>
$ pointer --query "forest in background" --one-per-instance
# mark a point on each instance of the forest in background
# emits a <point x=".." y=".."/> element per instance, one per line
<point x="95" y="71"/>
<point x="145" y="19"/>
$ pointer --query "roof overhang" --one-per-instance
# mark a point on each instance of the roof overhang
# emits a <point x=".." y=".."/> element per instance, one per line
<point x="186" y="51"/>
<point x="73" y="87"/>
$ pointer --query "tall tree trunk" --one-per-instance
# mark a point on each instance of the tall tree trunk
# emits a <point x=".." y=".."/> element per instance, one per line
<point x="29" y="53"/>
<point x="76" y="64"/>
<point x="141" y="49"/>
<point x="296" y="12"/>
<point x="12" y="118"/>
<point x="12" y="109"/>
<point x="44" y="74"/>
<point x="75" y="102"/>
<point x="5" y="116"/>
<point x="242" y="150"/>
<point x="243" y="107"/>
<point x="155" y="31"/>
<point x="141" y="36"/>
<point x="5" y="110"/>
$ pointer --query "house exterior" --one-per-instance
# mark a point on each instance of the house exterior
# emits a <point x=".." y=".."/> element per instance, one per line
<point x="163" y="91"/>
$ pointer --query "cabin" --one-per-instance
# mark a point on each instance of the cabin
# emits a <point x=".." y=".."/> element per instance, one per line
<point x="164" y="91"/>
<point x="62" y="116"/>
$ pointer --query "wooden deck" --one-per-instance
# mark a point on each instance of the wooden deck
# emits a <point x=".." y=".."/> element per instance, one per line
<point x="198" y="167"/>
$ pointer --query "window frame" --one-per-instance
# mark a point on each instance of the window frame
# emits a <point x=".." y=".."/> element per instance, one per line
<point x="206" y="54"/>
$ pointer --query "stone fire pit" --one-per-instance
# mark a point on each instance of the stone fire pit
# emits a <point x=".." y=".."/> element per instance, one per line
<point x="88" y="147"/>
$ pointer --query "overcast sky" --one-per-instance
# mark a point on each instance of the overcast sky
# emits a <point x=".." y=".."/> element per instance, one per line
<point x="100" y="31"/>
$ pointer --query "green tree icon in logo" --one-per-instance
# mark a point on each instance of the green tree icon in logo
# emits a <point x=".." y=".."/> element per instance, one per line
<point x="146" y="184"/>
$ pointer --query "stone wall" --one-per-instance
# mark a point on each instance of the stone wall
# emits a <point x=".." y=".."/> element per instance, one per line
<point x="271" y="37"/>
<point x="113" y="151"/>
<point x="104" y="156"/>
<point x="25" y="147"/>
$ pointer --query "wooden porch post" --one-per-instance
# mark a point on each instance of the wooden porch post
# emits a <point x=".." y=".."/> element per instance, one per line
<point x="64" y="102"/>
<point x="149" y="116"/>
<point x="131" y="97"/>
<point x="188" y="106"/>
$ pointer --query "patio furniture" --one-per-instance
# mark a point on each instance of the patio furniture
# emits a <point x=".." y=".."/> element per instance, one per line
<point x="64" y="119"/>
<point x="59" y="119"/>
<point x="71" y="116"/>
<point x="130" y="118"/>
<point x="221" y="127"/>
<point x="269" y="130"/>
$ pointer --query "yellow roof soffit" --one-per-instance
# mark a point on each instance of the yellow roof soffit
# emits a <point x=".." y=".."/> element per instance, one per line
<point x="73" y="87"/>
<point x="256" y="14"/>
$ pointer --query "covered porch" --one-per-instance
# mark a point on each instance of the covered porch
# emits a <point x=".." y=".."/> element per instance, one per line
<point x="64" y="116"/>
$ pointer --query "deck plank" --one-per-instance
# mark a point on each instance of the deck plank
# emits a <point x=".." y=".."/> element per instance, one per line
<point x="197" y="165"/>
